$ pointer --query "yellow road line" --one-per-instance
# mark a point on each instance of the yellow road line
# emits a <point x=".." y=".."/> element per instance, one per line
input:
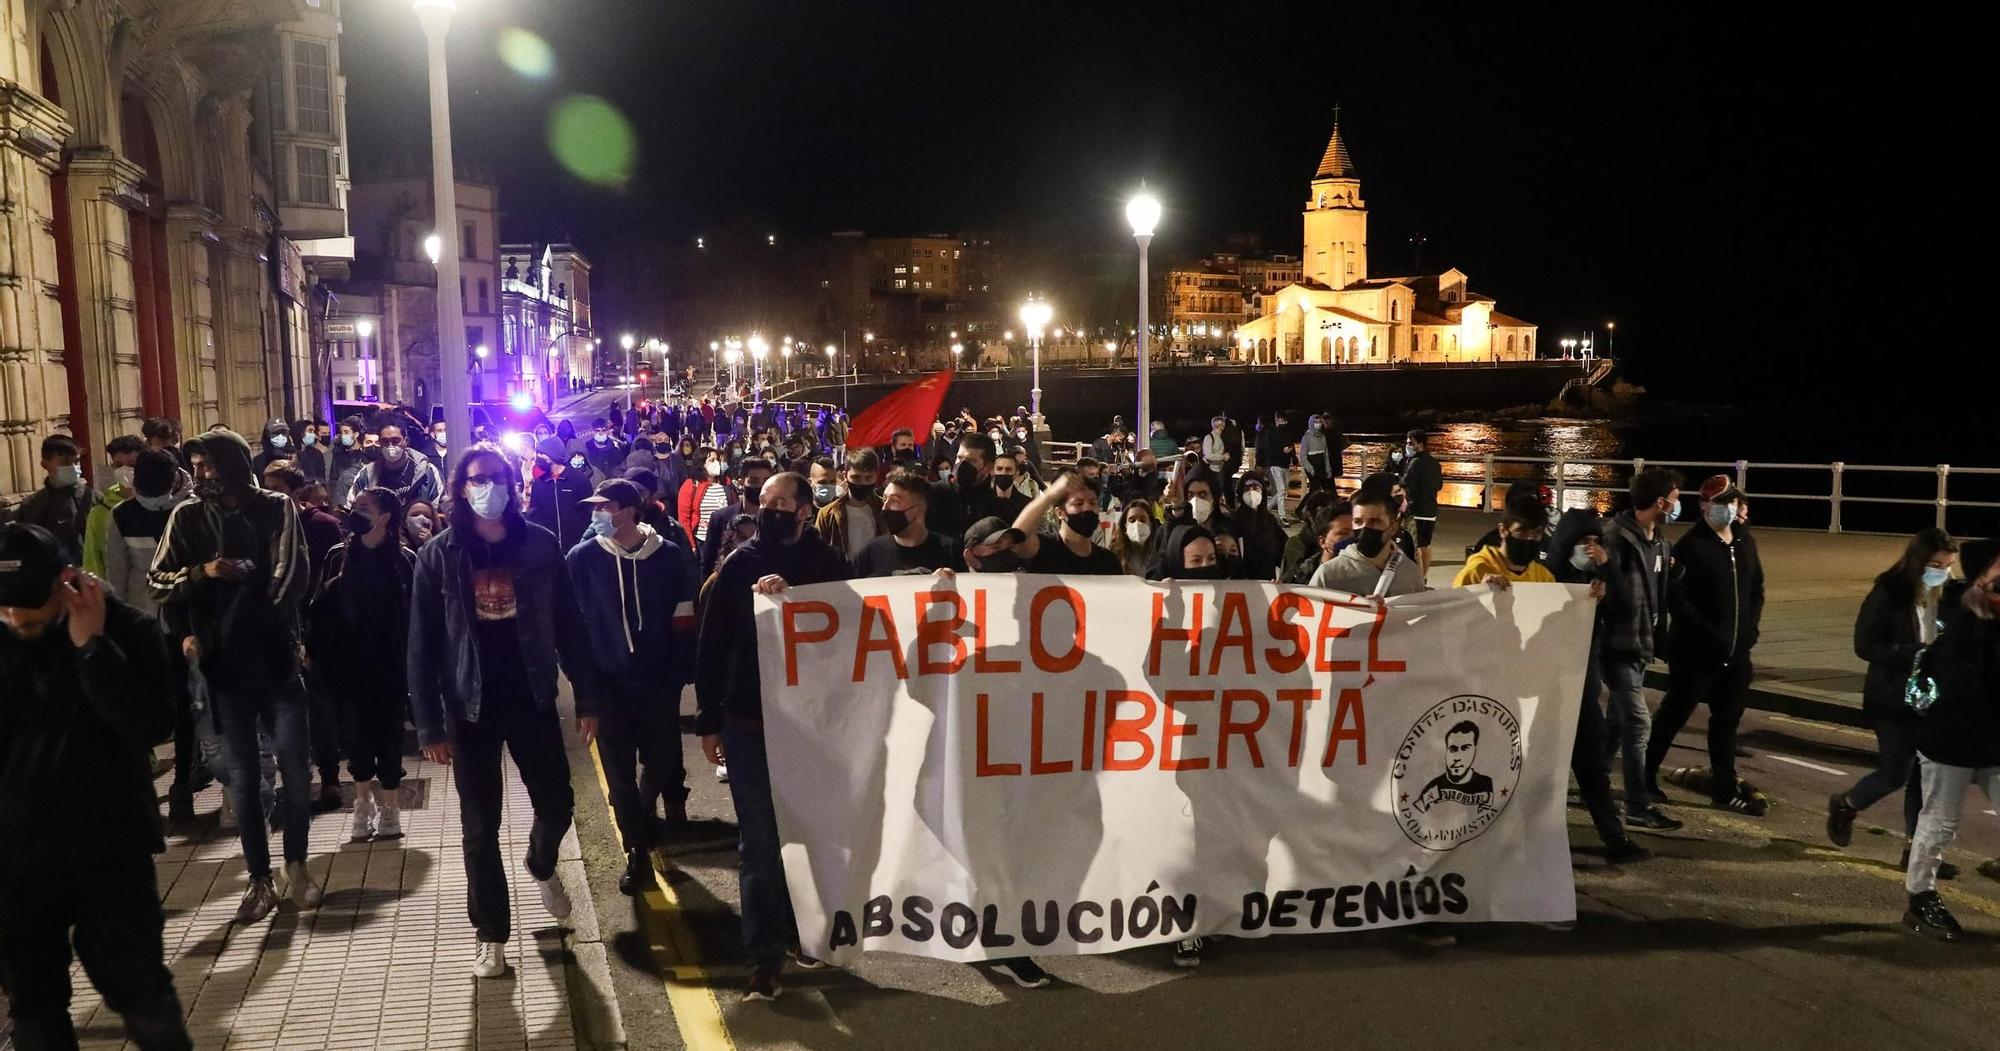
<point x="690" y="992"/>
<point x="1813" y="850"/>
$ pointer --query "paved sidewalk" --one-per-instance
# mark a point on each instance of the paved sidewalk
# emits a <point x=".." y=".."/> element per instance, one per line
<point x="384" y="963"/>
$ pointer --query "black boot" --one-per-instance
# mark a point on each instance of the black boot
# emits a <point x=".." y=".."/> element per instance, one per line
<point x="180" y="804"/>
<point x="1840" y="815"/>
<point x="638" y="874"/>
<point x="1928" y="916"/>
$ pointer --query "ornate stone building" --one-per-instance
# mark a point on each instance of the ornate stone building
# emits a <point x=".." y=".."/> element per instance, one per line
<point x="171" y="174"/>
<point x="1338" y="315"/>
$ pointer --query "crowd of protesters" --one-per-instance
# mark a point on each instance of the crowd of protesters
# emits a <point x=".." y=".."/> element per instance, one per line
<point x="277" y="609"/>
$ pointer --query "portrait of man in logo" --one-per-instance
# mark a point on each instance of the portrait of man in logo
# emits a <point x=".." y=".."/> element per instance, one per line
<point x="1460" y="783"/>
<point x="1456" y="771"/>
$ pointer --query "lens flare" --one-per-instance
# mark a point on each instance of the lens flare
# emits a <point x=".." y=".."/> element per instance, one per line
<point x="526" y="54"/>
<point x="593" y="140"/>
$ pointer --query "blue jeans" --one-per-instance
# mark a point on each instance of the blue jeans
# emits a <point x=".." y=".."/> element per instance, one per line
<point x="1628" y="724"/>
<point x="769" y="928"/>
<point x="1895" y="767"/>
<point x="285" y="712"/>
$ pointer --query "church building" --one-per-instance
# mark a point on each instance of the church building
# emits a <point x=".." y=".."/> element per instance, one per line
<point x="1339" y="315"/>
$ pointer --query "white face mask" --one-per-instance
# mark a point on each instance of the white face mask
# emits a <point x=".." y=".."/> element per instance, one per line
<point x="420" y="527"/>
<point x="124" y="476"/>
<point x="279" y="441"/>
<point x="1253" y="498"/>
<point x="1138" y="530"/>
<point x="714" y="468"/>
<point x="392" y="453"/>
<point x="1201" y="506"/>
<point x="488" y="500"/>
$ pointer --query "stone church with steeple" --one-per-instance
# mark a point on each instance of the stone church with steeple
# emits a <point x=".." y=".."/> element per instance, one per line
<point x="1339" y="315"/>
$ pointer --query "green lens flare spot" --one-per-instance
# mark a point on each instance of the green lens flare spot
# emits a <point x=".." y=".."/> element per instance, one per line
<point x="593" y="140"/>
<point x="527" y="54"/>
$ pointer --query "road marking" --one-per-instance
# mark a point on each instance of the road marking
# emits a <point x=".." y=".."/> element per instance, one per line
<point x="689" y="991"/>
<point x="1835" y="728"/>
<point x="1809" y="766"/>
<point x="1968" y="899"/>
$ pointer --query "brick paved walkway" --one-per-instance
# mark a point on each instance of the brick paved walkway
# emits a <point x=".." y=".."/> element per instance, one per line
<point x="384" y="963"/>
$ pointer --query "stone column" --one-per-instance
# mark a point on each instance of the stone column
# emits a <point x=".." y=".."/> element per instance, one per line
<point x="242" y="379"/>
<point x="190" y="235"/>
<point x="34" y="386"/>
<point x="102" y="185"/>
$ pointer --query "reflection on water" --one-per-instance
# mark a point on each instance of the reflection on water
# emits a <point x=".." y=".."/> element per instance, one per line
<point x="1593" y="454"/>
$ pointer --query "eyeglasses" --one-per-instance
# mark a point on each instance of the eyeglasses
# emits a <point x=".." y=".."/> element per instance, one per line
<point x="482" y="479"/>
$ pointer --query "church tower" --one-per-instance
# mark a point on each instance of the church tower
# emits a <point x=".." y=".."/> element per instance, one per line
<point x="1336" y="219"/>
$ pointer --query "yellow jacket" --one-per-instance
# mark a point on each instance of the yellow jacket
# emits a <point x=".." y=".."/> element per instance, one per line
<point x="1488" y="561"/>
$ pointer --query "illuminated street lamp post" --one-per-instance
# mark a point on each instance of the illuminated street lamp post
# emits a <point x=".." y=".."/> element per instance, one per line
<point x="454" y="381"/>
<point x="758" y="349"/>
<point x="715" y="359"/>
<point x="1035" y="315"/>
<point x="1612" y="350"/>
<point x="732" y="355"/>
<point x="628" y="341"/>
<point x="369" y="378"/>
<point x="1143" y="212"/>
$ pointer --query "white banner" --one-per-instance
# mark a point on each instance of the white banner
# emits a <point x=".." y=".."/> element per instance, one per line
<point x="1009" y="765"/>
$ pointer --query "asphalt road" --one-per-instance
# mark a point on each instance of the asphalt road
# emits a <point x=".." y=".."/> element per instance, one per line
<point x="1755" y="932"/>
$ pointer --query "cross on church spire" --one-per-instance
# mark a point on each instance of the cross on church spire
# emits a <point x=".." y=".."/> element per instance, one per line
<point x="1336" y="164"/>
<point x="1336" y="115"/>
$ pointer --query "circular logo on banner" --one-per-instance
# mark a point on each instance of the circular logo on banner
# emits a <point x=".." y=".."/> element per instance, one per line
<point x="1456" y="771"/>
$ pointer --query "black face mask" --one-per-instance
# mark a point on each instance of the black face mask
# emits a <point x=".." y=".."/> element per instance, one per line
<point x="1083" y="522"/>
<point x="906" y="454"/>
<point x="894" y="521"/>
<point x="1000" y="562"/>
<point x="1003" y="483"/>
<point x="1213" y="572"/>
<point x="1523" y="552"/>
<point x="860" y="490"/>
<point x="1370" y="541"/>
<point x="357" y="523"/>
<point x="777" y="527"/>
<point x="966" y="474"/>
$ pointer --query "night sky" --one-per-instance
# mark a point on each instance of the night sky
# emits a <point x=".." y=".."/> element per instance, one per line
<point x="1738" y="194"/>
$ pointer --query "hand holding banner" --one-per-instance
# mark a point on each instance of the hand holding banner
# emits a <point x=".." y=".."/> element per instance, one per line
<point x="1012" y="764"/>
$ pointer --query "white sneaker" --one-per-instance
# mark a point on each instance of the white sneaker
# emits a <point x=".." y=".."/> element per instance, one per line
<point x="490" y="961"/>
<point x="554" y="897"/>
<point x="364" y="812"/>
<point x="306" y="893"/>
<point x="226" y="817"/>
<point x="388" y="817"/>
<point x="722" y="773"/>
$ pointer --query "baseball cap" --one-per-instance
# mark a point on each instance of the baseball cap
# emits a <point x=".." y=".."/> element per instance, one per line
<point x="30" y="564"/>
<point x="989" y="529"/>
<point x="618" y="491"/>
<point x="1720" y="488"/>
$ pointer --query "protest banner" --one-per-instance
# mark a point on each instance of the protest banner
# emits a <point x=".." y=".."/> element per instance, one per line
<point x="1003" y="765"/>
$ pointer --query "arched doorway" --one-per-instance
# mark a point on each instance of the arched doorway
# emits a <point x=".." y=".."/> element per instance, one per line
<point x="66" y="293"/>
<point x="152" y="292"/>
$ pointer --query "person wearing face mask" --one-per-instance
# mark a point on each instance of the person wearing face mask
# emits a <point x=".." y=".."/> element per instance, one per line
<point x="786" y="551"/>
<point x="322" y="532"/>
<point x="1215" y="446"/>
<point x="1070" y="549"/>
<point x="1188" y="552"/>
<point x="62" y="505"/>
<point x="1327" y="529"/>
<point x="1958" y="742"/>
<point x="547" y="444"/>
<point x="1003" y="497"/>
<point x="1517" y="557"/>
<point x="1137" y="538"/>
<point x="1423" y="479"/>
<point x="855" y="518"/>
<point x="605" y="449"/>
<point x="310" y="452"/>
<point x="989" y="547"/>
<point x="1263" y="538"/>
<point x="122" y="452"/>
<point x="907" y="546"/>
<point x="1899" y="617"/>
<point x="408" y="473"/>
<point x="277" y="445"/>
<point x="958" y="500"/>
<point x="230" y="575"/>
<point x="636" y="590"/>
<point x="1200" y="508"/>
<point x="738" y="492"/>
<point x="555" y="498"/>
<point x="1373" y="564"/>
<point x="492" y="619"/>
<point x="704" y="491"/>
<point x="825" y="479"/>
<point x="1315" y="455"/>
<point x="1637" y="593"/>
<point x="1718" y="607"/>
<point x="87" y="695"/>
<point x="347" y="459"/>
<point x="357" y="640"/>
<point x="420" y="523"/>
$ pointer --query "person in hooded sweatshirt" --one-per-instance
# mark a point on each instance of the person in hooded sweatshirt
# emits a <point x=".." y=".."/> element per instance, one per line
<point x="62" y="505"/>
<point x="86" y="698"/>
<point x="347" y="460"/>
<point x="230" y="575"/>
<point x="123" y="452"/>
<point x="636" y="591"/>
<point x="555" y="499"/>
<point x="277" y="446"/>
<point x="400" y="469"/>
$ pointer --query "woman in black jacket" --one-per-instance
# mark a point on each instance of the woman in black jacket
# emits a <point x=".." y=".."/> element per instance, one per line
<point x="1899" y="616"/>
<point x="1959" y="741"/>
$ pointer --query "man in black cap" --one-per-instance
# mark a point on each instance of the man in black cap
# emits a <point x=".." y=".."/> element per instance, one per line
<point x="87" y="696"/>
<point x="636" y="592"/>
<point x="230" y="575"/>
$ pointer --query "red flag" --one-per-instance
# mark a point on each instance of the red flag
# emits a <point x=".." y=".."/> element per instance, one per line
<point x="915" y="406"/>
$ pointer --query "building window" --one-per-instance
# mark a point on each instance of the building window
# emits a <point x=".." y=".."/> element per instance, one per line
<point x="315" y="176"/>
<point x="482" y="291"/>
<point x="340" y="391"/>
<point x="902" y="282"/>
<point x="1374" y="351"/>
<point x="1395" y="311"/>
<point x="310" y="97"/>
<point x="471" y="247"/>
<point x="475" y="335"/>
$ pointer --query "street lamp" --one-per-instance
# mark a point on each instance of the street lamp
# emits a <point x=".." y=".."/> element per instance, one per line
<point x="787" y="355"/>
<point x="362" y="330"/>
<point x="628" y="341"/>
<point x="1143" y="212"/>
<point x="1612" y="327"/>
<point x="1035" y="315"/>
<point x="732" y="355"/>
<point x="758" y="348"/>
<point x="455" y="385"/>
<point x="956" y="350"/>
